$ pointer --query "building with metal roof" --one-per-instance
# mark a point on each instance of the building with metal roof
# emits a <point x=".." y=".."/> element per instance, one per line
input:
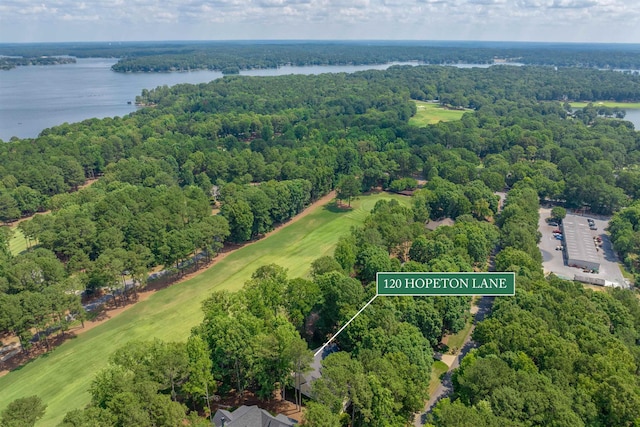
<point x="581" y="251"/>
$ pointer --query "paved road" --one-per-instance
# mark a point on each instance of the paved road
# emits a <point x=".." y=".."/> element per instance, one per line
<point x="108" y="297"/>
<point x="484" y="308"/>
<point x="446" y="387"/>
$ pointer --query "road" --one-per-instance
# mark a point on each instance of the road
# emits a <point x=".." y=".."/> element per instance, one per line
<point x="446" y="387"/>
<point x="483" y="309"/>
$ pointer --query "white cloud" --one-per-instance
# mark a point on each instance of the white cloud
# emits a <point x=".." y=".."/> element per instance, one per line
<point x="545" y="20"/>
<point x="69" y="17"/>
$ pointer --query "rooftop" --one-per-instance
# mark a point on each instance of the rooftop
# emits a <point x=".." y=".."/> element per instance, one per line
<point x="250" y="416"/>
<point x="432" y="225"/>
<point x="578" y="239"/>
<point x="316" y="366"/>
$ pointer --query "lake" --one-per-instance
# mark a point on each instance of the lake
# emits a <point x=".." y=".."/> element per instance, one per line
<point x="633" y="116"/>
<point x="34" y="98"/>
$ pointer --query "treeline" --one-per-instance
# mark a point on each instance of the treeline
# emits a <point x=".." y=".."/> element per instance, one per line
<point x="8" y="63"/>
<point x="258" y="339"/>
<point x="231" y="57"/>
<point x="624" y="229"/>
<point x="276" y="114"/>
<point x="545" y="357"/>
<point x="38" y="299"/>
<point x="263" y="148"/>
<point x="107" y="236"/>
<point x="556" y="354"/>
<point x="381" y="373"/>
<point x="254" y="210"/>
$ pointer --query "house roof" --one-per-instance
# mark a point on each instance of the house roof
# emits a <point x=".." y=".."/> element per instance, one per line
<point x="314" y="373"/>
<point x="432" y="225"/>
<point x="250" y="416"/>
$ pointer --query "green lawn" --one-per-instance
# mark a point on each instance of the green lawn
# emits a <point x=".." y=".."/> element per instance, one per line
<point x="455" y="341"/>
<point x="610" y="104"/>
<point x="62" y="377"/>
<point x="18" y="243"/>
<point x="429" y="113"/>
<point x="437" y="370"/>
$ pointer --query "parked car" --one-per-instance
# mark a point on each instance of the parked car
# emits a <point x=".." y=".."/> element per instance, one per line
<point x="593" y="227"/>
<point x="558" y="236"/>
<point x="557" y="231"/>
<point x="553" y="224"/>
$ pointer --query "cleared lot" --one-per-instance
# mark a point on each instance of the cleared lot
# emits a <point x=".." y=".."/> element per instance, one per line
<point x="554" y="261"/>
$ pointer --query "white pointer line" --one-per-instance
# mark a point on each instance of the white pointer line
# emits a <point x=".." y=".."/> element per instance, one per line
<point x="344" y="326"/>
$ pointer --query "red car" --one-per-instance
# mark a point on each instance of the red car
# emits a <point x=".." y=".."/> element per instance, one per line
<point x="557" y="231"/>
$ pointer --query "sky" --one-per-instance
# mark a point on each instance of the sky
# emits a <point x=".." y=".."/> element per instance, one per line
<point x="603" y="21"/>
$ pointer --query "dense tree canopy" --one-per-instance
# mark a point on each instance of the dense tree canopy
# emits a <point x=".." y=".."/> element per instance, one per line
<point x="231" y="57"/>
<point x="228" y="160"/>
<point x="554" y="354"/>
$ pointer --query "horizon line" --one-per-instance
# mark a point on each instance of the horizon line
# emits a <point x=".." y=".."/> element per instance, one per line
<point x="296" y="40"/>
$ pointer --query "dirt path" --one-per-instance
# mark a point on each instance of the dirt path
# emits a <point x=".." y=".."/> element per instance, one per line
<point x="145" y="294"/>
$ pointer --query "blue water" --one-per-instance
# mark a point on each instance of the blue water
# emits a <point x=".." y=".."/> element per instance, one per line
<point x="38" y="97"/>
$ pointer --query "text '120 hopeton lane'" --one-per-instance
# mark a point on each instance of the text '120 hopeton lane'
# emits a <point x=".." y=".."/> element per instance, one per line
<point x="418" y="284"/>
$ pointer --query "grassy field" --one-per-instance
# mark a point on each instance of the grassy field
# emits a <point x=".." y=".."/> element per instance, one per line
<point x="610" y="104"/>
<point x="437" y="370"/>
<point x="62" y="377"/>
<point x="430" y="113"/>
<point x="455" y="341"/>
<point x="18" y="243"/>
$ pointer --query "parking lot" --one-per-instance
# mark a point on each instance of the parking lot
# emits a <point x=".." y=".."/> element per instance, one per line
<point x="553" y="261"/>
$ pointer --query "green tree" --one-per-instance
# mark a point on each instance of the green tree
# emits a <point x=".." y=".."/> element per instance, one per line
<point x="264" y="294"/>
<point x="240" y="218"/>
<point x="233" y="342"/>
<point x="371" y="260"/>
<point x="344" y="378"/>
<point x="274" y="363"/>
<point x="341" y="295"/>
<point x="510" y="259"/>
<point x="348" y="188"/>
<point x="23" y="412"/>
<point x="200" y="383"/>
<point x="319" y="415"/>
<point x="90" y="417"/>
<point x="9" y="211"/>
<point x="29" y="200"/>
<point x="300" y="297"/>
<point x="345" y="253"/>
<point x="558" y="213"/>
<point x="323" y="265"/>
<point x="301" y="357"/>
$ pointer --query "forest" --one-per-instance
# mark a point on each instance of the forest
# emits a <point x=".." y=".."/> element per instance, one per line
<point x="8" y="63"/>
<point x="258" y="151"/>
<point x="232" y="56"/>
